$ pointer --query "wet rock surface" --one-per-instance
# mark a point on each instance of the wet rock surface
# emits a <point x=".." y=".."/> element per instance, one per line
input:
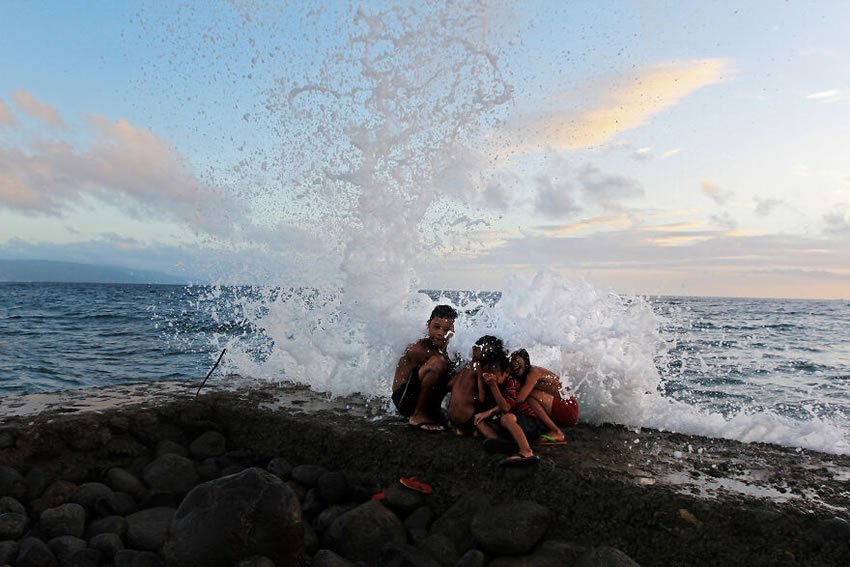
<point x="111" y="477"/>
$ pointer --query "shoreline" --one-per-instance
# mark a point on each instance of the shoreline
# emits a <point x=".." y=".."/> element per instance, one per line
<point x="642" y="492"/>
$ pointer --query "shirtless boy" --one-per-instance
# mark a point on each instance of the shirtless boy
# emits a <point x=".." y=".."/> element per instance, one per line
<point x="465" y="385"/>
<point x="541" y="388"/>
<point x="422" y="373"/>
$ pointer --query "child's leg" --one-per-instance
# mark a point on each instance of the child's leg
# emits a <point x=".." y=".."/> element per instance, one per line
<point x="554" y="431"/>
<point x="487" y="430"/>
<point x="509" y="422"/>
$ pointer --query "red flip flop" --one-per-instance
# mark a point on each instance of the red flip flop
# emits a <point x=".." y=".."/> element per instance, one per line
<point x="414" y="483"/>
<point x="379" y="495"/>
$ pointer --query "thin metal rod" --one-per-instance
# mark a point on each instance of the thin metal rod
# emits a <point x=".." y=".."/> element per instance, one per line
<point x="224" y="350"/>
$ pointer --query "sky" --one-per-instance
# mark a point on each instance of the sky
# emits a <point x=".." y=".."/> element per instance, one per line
<point x="659" y="148"/>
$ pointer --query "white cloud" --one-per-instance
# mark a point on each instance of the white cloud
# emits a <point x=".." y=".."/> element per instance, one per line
<point x="605" y="189"/>
<point x="765" y="206"/>
<point x="829" y="96"/>
<point x="715" y="193"/>
<point x="38" y="110"/>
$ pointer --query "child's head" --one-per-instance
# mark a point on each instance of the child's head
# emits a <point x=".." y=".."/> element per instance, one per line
<point x="520" y="363"/>
<point x="494" y="359"/>
<point x="441" y="326"/>
<point x="487" y="342"/>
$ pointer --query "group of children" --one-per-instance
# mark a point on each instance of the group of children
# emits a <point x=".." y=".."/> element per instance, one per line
<point x="494" y="395"/>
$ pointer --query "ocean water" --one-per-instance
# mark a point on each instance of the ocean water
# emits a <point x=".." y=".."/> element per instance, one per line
<point x="756" y="370"/>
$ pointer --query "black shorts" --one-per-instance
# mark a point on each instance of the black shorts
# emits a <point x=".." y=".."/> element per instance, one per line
<point x="405" y="397"/>
<point x="531" y="426"/>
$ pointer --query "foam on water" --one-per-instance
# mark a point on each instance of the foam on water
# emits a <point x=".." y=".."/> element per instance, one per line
<point x="381" y="141"/>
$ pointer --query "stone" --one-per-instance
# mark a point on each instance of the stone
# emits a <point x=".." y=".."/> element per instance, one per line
<point x="224" y="520"/>
<point x="87" y="494"/>
<point x="146" y="529"/>
<point x="55" y="494"/>
<point x="108" y="544"/>
<point x="280" y="467"/>
<point x="107" y="525"/>
<point x="333" y="487"/>
<point x="404" y="555"/>
<point x="308" y="475"/>
<point x="604" y="556"/>
<point x="359" y="533"/>
<point x="168" y="447"/>
<point x="456" y="521"/>
<point x="87" y="557"/>
<point x="361" y="485"/>
<point x="33" y="552"/>
<point x="401" y="499"/>
<point x="472" y="558"/>
<point x="327" y="517"/>
<point x="171" y="473"/>
<point x="67" y="519"/>
<point x="7" y="439"/>
<point x="510" y="528"/>
<point x="10" y="504"/>
<point x="256" y="561"/>
<point x="136" y="558"/>
<point x="311" y="540"/>
<point x="327" y="558"/>
<point x="441" y="548"/>
<point x="13" y="525"/>
<point x="208" y="470"/>
<point x="12" y="483"/>
<point x="8" y="552"/>
<point x="122" y="480"/>
<point x="115" y="504"/>
<point x="833" y="529"/>
<point x="37" y="479"/>
<point x="208" y="444"/>
<point x="65" y="547"/>
<point x="312" y="504"/>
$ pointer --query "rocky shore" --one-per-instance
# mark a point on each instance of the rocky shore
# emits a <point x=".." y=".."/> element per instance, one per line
<point x="149" y="474"/>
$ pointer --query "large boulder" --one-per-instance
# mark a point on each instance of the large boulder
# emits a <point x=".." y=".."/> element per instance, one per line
<point x="223" y="521"/>
<point x="171" y="473"/>
<point x="360" y="533"/>
<point x="146" y="529"/>
<point x="510" y="528"/>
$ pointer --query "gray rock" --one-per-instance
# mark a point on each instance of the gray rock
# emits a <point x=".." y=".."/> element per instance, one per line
<point x="33" y="552"/>
<point x="122" y="480"/>
<point x="359" y="533"/>
<point x="224" y="520"/>
<point x="604" y="556"/>
<point x="7" y="439"/>
<point x="209" y="444"/>
<point x="327" y="558"/>
<point x="10" y="504"/>
<point x="87" y="557"/>
<point x="421" y="518"/>
<point x="403" y="555"/>
<point x="167" y="447"/>
<point x="136" y="558"/>
<point x="441" y="548"/>
<point x="13" y="525"/>
<point x="65" y="547"/>
<point x="146" y="529"/>
<point x="12" y="483"/>
<point x="312" y="504"/>
<point x="333" y="487"/>
<point x="280" y="467"/>
<point x="402" y="500"/>
<point x="231" y="470"/>
<point x="8" y="552"/>
<point x="256" y="561"/>
<point x="107" y="525"/>
<point x="511" y="528"/>
<point x="87" y="494"/>
<point x="362" y="486"/>
<point x="115" y="504"/>
<point x="107" y="543"/>
<point x="472" y="558"/>
<point x="171" y="473"/>
<point x="67" y="519"/>
<point x="311" y="540"/>
<point x="833" y="529"/>
<point x="456" y="522"/>
<point x="208" y="470"/>
<point x="327" y="517"/>
<point x="308" y="475"/>
<point x="55" y="494"/>
<point x="298" y="489"/>
<point x="37" y="480"/>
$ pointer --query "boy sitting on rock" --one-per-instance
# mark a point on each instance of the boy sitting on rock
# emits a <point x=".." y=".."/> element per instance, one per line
<point x="518" y="419"/>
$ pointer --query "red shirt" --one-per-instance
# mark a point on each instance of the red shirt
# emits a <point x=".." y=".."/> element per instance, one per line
<point x="510" y="390"/>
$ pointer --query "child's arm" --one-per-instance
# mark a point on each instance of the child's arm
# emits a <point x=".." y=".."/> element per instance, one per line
<point x="530" y="383"/>
<point x="501" y="403"/>
<point x="482" y="388"/>
<point x="479" y="417"/>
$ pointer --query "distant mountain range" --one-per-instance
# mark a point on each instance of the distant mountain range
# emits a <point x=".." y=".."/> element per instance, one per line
<point x="71" y="272"/>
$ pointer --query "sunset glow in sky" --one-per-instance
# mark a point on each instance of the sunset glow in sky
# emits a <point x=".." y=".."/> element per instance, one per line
<point x="682" y="148"/>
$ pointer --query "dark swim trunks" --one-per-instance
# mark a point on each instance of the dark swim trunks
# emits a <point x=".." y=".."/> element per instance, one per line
<point x="565" y="412"/>
<point x="406" y="396"/>
<point x="531" y="426"/>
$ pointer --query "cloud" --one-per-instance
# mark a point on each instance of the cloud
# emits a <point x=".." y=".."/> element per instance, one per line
<point x="829" y="96"/>
<point x="606" y="189"/>
<point x="38" y="110"/>
<point x="715" y="193"/>
<point x="7" y="117"/>
<point x="765" y="206"/>
<point x="555" y="197"/>
<point x="837" y="222"/>
<point x="125" y="165"/>
<point x="626" y="104"/>
<point x="724" y="221"/>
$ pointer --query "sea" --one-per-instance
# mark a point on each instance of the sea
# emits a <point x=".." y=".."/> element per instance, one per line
<point x="754" y="370"/>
